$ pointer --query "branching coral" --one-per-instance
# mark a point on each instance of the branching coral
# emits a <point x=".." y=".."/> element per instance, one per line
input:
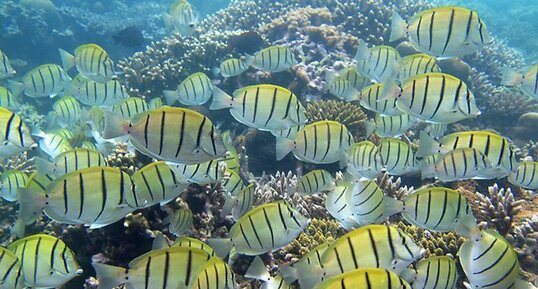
<point x="19" y="162"/>
<point x="393" y="188"/>
<point x="524" y="239"/>
<point x="347" y="113"/>
<point x="437" y="244"/>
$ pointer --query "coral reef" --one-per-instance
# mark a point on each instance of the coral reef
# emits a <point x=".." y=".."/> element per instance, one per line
<point x="437" y="244"/>
<point x="347" y="113"/>
<point x="393" y="187"/>
<point x="30" y="116"/>
<point x="19" y="162"/>
<point x="123" y="159"/>
<point x="524" y="239"/>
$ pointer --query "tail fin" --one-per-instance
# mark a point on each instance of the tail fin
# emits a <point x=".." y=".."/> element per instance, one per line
<point x="249" y="59"/>
<point x="363" y="52"/>
<point x="159" y="242"/>
<point x="391" y="90"/>
<point x="392" y="206"/>
<point x="44" y="166"/>
<point x="398" y="28"/>
<point x="222" y="247"/>
<point x="115" y="126"/>
<point x="19" y="228"/>
<point x="467" y="227"/>
<point x="426" y="145"/>
<point x="283" y="147"/>
<point x="289" y="273"/>
<point x="370" y="128"/>
<point x="511" y="77"/>
<point x="229" y="203"/>
<point x="170" y="96"/>
<point x="110" y="276"/>
<point x="428" y="172"/>
<point x="257" y="270"/>
<point x="330" y="76"/>
<point x="68" y="59"/>
<point x="15" y="87"/>
<point x="31" y="204"/>
<point x="221" y="99"/>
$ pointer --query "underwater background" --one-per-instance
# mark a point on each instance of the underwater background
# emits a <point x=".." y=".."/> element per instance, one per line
<point x="150" y="57"/>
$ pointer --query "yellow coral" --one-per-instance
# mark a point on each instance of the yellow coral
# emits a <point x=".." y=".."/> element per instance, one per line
<point x="347" y="113"/>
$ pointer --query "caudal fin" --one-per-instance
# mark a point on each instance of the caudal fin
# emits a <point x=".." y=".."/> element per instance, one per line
<point x="15" y="87"/>
<point x="392" y="206"/>
<point x="222" y="247"/>
<point x="257" y="270"/>
<point x="363" y="52"/>
<point x="283" y="147"/>
<point x="221" y="99"/>
<point x="110" y="276"/>
<point x="31" y="204"/>
<point x="170" y="96"/>
<point x="426" y="145"/>
<point x="466" y="226"/>
<point x="115" y="125"/>
<point x="391" y="90"/>
<point x="68" y="59"/>
<point x="511" y="77"/>
<point x="44" y="166"/>
<point x="398" y="27"/>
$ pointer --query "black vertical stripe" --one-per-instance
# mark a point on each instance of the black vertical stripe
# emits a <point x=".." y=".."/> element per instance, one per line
<point x="441" y="96"/>
<point x="374" y="247"/>
<point x="81" y="191"/>
<point x="147" y="273"/>
<point x="162" y="135"/>
<point x="425" y="95"/>
<point x="450" y="27"/>
<point x="432" y="20"/>
<point x="181" y="133"/>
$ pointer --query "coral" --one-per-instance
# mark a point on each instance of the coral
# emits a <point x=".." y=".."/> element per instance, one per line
<point x="347" y="113"/>
<point x="437" y="244"/>
<point x="391" y="187"/>
<point x="317" y="232"/>
<point x="497" y="208"/>
<point x="123" y="159"/>
<point x="19" y="162"/>
<point x="524" y="239"/>
<point x="30" y="116"/>
<point x="530" y="149"/>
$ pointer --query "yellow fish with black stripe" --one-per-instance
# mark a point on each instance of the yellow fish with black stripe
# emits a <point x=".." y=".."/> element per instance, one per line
<point x="356" y="80"/>
<point x="527" y="82"/>
<point x="94" y="93"/>
<point x="370" y="98"/>
<point x="321" y="142"/>
<point x="92" y="62"/>
<point x="338" y="207"/>
<point x="214" y="274"/>
<point x="179" y="222"/>
<point x="66" y="112"/>
<point x="231" y="67"/>
<point x="435" y="272"/>
<point x="263" y="229"/>
<point x="171" y="267"/>
<point x="313" y="182"/>
<point x="10" y="181"/>
<point x="264" y="106"/>
<point x="157" y="183"/>
<point x="442" y="31"/>
<point x="258" y="271"/>
<point x="8" y="99"/>
<point x="371" y="278"/>
<point x="15" y="136"/>
<point x="10" y="270"/>
<point x="241" y="203"/>
<point x="362" y="160"/>
<point x="71" y="161"/>
<point x="390" y="126"/>
<point x="308" y="271"/>
<point x="173" y="134"/>
<point x="340" y="87"/>
<point x="96" y="196"/>
<point x="232" y="157"/>
<point x="379" y="62"/>
<point x="495" y="147"/>
<point x="396" y="157"/>
<point x="47" y="80"/>
<point x="416" y="64"/>
<point x="130" y="107"/>
<point x="205" y="173"/>
<point x="368" y="202"/>
<point x="6" y="70"/>
<point x="52" y="144"/>
<point x="526" y="175"/>
<point x="181" y="18"/>
<point x="196" y="89"/>
<point x="377" y="246"/>
<point x="46" y="261"/>
<point x="433" y="97"/>
<point x="273" y="59"/>
<point x="232" y="182"/>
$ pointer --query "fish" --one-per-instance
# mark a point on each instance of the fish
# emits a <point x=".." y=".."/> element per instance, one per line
<point x="445" y="32"/>
<point x="321" y="142"/>
<point x="15" y="135"/>
<point x="155" y="269"/>
<point x="52" y="144"/>
<point x="368" y="202"/>
<point x="265" y="107"/>
<point x="92" y="62"/>
<point x="379" y="62"/>
<point x="263" y="229"/>
<point x="6" y="70"/>
<point x="130" y="107"/>
<point x="525" y="176"/>
<point x="173" y="134"/>
<point x="10" y="269"/>
<point x="396" y="157"/>
<point x="390" y="126"/>
<point x="46" y="261"/>
<point x="434" y="272"/>
<point x="248" y="42"/>
<point x="157" y="183"/>
<point x="362" y="160"/>
<point x="372" y="278"/>
<point x="437" y="209"/>
<point x="258" y="271"/>
<point x="209" y="172"/>
<point x="289" y="133"/>
<point x="182" y="18"/>
<point x="526" y="82"/>
<point x="436" y="129"/>
<point x="461" y="164"/>
<point x="10" y="181"/>
<point x="338" y="207"/>
<point x="231" y="67"/>
<point x="370" y="98"/>
<point x="308" y="271"/>
<point x="194" y="243"/>
<point x="70" y="161"/>
<point x="340" y="87"/>
<point x="232" y="157"/>
<point x="495" y="147"/>
<point x="155" y="102"/>
<point x="489" y="261"/>
<point x="232" y="182"/>
<point x="433" y="97"/>
<point x="104" y="94"/>
<point x="96" y="196"/>
<point x="196" y="89"/>
<point x="356" y="80"/>
<point x="213" y="274"/>
<point x="130" y="36"/>
<point x="66" y="112"/>
<point x="416" y="64"/>
<point x="239" y="204"/>
<point x="7" y="99"/>
<point x="46" y="80"/>
<point x="376" y="246"/>
<point x="273" y="59"/>
<point x="180" y="222"/>
<point x="313" y="182"/>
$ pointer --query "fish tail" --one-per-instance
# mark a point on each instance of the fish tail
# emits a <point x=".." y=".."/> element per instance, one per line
<point x="391" y="90"/>
<point x="222" y="247"/>
<point x="257" y="270"/>
<point x="115" y="126"/>
<point x="68" y="59"/>
<point x="428" y="172"/>
<point x="370" y="128"/>
<point x="31" y="205"/>
<point x="229" y="203"/>
<point x="511" y="77"/>
<point x="352" y="94"/>
<point x="467" y="227"/>
<point x="159" y="242"/>
<point x="392" y="206"/>
<point x="15" y="87"/>
<point x="283" y="147"/>
<point x="170" y="96"/>
<point x="249" y="59"/>
<point x="221" y="99"/>
<point x="398" y="27"/>
<point x="19" y="228"/>
<point x="362" y="52"/>
<point x="43" y="166"/>
<point x="109" y="276"/>
<point x="289" y="273"/>
<point x="426" y="145"/>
